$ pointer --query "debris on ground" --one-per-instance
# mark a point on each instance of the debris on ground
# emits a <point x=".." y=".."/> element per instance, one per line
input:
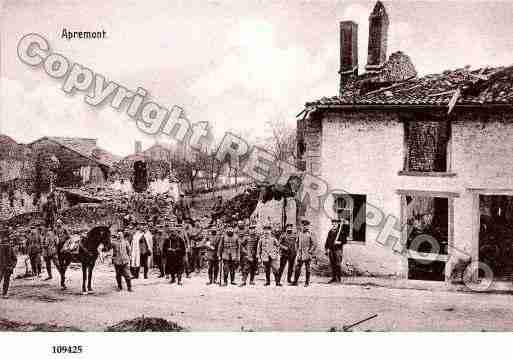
<point x="11" y="326"/>
<point x="146" y="324"/>
<point x="241" y="206"/>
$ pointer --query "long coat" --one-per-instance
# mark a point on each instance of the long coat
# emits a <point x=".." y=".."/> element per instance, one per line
<point x="8" y="257"/>
<point x="121" y="252"/>
<point x="306" y="246"/>
<point x="288" y="243"/>
<point x="149" y="242"/>
<point x="249" y="246"/>
<point x="229" y="248"/>
<point x="211" y="244"/>
<point x="334" y="243"/>
<point x="135" y="257"/>
<point x="268" y="247"/>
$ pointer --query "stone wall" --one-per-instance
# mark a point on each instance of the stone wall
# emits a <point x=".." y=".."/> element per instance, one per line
<point x="362" y="152"/>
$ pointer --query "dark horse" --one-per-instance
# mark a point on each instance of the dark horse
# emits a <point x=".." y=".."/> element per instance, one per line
<point x="87" y="255"/>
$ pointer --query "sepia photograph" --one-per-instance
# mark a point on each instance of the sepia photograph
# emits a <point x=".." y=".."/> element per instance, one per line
<point x="255" y="166"/>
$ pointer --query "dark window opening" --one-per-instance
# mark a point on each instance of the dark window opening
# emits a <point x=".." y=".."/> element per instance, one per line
<point x="427" y="146"/>
<point x="351" y="209"/>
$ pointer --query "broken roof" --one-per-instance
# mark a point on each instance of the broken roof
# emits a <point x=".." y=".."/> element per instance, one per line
<point x="462" y="87"/>
<point x="13" y="150"/>
<point x="86" y="147"/>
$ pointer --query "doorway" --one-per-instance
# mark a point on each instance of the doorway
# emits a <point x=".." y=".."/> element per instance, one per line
<point x="496" y="234"/>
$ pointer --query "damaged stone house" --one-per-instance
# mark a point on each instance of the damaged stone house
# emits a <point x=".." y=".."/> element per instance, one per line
<point x="81" y="161"/>
<point x="435" y="153"/>
<point x="16" y="171"/>
<point x="76" y="162"/>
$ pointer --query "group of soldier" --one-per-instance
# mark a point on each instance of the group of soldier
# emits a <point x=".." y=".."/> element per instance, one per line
<point x="178" y="244"/>
<point x="178" y="248"/>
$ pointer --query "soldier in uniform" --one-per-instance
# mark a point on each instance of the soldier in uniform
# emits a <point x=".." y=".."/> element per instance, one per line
<point x="121" y="259"/>
<point x="229" y="253"/>
<point x="337" y="237"/>
<point x="193" y="230"/>
<point x="211" y="244"/>
<point x="288" y="251"/>
<point x="248" y="255"/>
<point x="182" y="210"/>
<point x="34" y="251"/>
<point x="8" y="260"/>
<point x="50" y="210"/>
<point x="49" y="248"/>
<point x="306" y="246"/>
<point x="269" y="253"/>
<point x="62" y="232"/>
<point x="174" y="247"/>
<point x="158" y="244"/>
<point x="241" y="229"/>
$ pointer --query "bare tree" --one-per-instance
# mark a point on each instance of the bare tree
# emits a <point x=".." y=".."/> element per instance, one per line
<point x="282" y="141"/>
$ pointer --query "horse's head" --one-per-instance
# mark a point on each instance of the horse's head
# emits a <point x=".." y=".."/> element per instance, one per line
<point x="101" y="235"/>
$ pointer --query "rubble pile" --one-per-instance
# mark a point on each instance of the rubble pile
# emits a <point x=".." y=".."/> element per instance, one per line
<point x="146" y="324"/>
<point x="241" y="206"/>
<point x="86" y="215"/>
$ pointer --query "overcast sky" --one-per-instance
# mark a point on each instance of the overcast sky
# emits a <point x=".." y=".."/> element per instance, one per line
<point x="235" y="64"/>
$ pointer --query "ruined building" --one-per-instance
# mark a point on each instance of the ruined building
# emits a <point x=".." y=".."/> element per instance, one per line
<point x="427" y="161"/>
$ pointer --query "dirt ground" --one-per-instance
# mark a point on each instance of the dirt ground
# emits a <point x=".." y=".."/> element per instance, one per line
<point x="198" y="307"/>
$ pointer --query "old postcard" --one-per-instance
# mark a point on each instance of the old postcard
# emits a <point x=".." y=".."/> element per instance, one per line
<point x="256" y="166"/>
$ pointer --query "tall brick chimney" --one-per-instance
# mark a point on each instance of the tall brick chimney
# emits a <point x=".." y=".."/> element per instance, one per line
<point x="348" y="51"/>
<point x="378" y="34"/>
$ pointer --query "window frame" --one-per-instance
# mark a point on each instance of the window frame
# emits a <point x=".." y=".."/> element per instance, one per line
<point x="404" y="232"/>
<point x="350" y="207"/>
<point x="406" y="171"/>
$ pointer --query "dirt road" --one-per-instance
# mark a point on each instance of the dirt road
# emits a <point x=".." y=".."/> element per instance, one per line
<point x="203" y="308"/>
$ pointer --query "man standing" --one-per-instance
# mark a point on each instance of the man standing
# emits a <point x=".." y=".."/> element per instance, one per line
<point x="248" y="254"/>
<point x="182" y="210"/>
<point x="140" y="252"/>
<point x="288" y="251"/>
<point x="174" y="247"/>
<point x="135" y="255"/>
<point x="306" y="246"/>
<point x="216" y="209"/>
<point x="8" y="261"/>
<point x="229" y="252"/>
<point x="158" y="244"/>
<point x="50" y="210"/>
<point x="194" y="237"/>
<point x="62" y="233"/>
<point x="121" y="258"/>
<point x="145" y="247"/>
<point x="34" y="251"/>
<point x="269" y="253"/>
<point x="337" y="237"/>
<point x="211" y="245"/>
<point x="49" y="248"/>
